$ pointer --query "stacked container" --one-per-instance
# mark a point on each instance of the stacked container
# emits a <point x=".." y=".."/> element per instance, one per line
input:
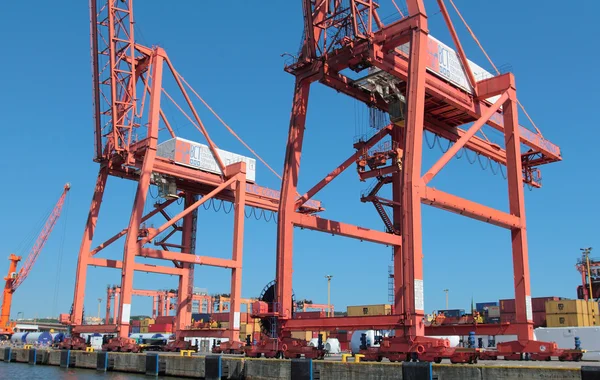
<point x="134" y="326"/>
<point x="144" y="323"/>
<point x="571" y="313"/>
<point x="357" y="311"/>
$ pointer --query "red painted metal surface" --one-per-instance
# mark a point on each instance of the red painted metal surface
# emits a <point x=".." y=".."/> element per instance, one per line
<point x="128" y="113"/>
<point x="434" y="104"/>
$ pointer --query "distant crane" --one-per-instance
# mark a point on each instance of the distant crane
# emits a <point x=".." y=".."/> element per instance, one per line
<point x="14" y="279"/>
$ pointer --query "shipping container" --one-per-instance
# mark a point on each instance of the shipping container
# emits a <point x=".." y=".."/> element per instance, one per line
<point x="508" y="317"/>
<point x="507" y="306"/>
<point x="224" y="325"/>
<point x="197" y="317"/>
<point x="567" y="320"/>
<point x="146" y="322"/>
<point x="160" y="328"/>
<point x="356" y="311"/>
<point x="493" y="311"/>
<point x="482" y="306"/>
<point x="539" y="319"/>
<point x="571" y="307"/>
<point x="303" y="335"/>
<point x="453" y="313"/>
<point x="144" y="330"/>
<point x="164" y="319"/>
<point x="539" y="303"/>
<point x="135" y="330"/>
<point x="198" y="156"/>
<point x="136" y="323"/>
<point x="309" y="314"/>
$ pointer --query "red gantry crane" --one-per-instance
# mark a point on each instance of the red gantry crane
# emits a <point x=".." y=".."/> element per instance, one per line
<point x="400" y="70"/>
<point x="14" y="279"/>
<point x="129" y="111"/>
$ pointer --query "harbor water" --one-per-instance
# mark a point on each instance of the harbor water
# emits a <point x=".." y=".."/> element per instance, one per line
<point x="46" y="372"/>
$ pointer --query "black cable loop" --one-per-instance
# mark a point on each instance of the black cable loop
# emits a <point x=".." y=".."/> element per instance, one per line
<point x="245" y="214"/>
<point x="502" y="171"/>
<point x="260" y="216"/>
<point x="492" y="166"/>
<point x="480" y="164"/>
<point x="461" y="151"/>
<point x="427" y="141"/>
<point x="469" y="159"/>
<point x="215" y="207"/>
<point x="230" y="208"/>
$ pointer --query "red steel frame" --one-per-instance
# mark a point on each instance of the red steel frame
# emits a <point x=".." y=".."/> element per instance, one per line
<point x="124" y="75"/>
<point x="373" y="45"/>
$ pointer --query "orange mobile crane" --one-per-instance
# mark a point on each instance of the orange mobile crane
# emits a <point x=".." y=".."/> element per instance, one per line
<point x="14" y="279"/>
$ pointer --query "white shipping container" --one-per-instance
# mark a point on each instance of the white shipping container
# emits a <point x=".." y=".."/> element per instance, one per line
<point x="198" y="156"/>
<point x="565" y="338"/>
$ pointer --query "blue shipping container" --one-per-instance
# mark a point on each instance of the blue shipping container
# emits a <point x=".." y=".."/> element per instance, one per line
<point x="135" y="329"/>
<point x="453" y="313"/>
<point x="481" y="306"/>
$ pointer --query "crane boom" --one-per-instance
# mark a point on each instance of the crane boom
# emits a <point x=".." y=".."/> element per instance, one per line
<point x="14" y="279"/>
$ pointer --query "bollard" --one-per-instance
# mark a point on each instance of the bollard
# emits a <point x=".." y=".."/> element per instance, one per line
<point x="212" y="367"/>
<point x="33" y="356"/>
<point x="357" y="358"/>
<point x="345" y="357"/>
<point x="302" y="369"/>
<point x="416" y="371"/>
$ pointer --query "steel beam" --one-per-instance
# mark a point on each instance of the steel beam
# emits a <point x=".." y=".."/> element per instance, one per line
<point x="449" y="202"/>
<point x="361" y="149"/>
<point x="343" y="229"/>
<point x="185" y="257"/>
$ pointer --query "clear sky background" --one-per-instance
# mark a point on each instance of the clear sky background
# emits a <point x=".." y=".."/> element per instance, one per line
<point x="230" y="52"/>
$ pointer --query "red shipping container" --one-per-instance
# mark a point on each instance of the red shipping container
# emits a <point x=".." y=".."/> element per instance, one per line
<point x="220" y="317"/>
<point x="507" y="306"/>
<point x="539" y="303"/>
<point x="224" y="317"/>
<point x="508" y="317"/>
<point x="539" y="319"/>
<point x="164" y="320"/>
<point x="309" y="314"/>
<point x="136" y="323"/>
<point x="160" y="328"/>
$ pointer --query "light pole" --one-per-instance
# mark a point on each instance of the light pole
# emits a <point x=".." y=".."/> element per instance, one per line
<point x="446" y="291"/>
<point x="586" y="256"/>
<point x="329" y="277"/>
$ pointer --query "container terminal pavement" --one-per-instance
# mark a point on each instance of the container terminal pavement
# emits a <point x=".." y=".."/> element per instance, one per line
<point x="230" y="367"/>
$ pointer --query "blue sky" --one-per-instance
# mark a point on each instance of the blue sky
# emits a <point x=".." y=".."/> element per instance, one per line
<point x="231" y="55"/>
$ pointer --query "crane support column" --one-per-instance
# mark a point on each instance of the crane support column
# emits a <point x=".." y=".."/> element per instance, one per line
<point x="131" y="244"/>
<point x="186" y="280"/>
<point x="514" y="175"/>
<point x="412" y="255"/>
<point x="86" y="244"/>
<point x="289" y="185"/>
<point x="238" y="247"/>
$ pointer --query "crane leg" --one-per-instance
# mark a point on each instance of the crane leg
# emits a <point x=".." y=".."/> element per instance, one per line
<point x="86" y="243"/>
